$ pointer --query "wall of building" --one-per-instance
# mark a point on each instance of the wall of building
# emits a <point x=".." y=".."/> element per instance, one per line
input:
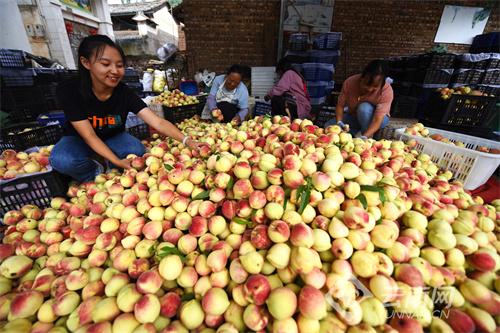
<point x="10" y="27"/>
<point x="35" y="29"/>
<point x="220" y="33"/>
<point x="385" y="28"/>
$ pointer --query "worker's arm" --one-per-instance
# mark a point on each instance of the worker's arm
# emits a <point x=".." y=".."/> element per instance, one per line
<point x="374" y="125"/>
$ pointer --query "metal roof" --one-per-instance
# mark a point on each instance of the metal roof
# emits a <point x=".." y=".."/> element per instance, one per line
<point x="134" y="8"/>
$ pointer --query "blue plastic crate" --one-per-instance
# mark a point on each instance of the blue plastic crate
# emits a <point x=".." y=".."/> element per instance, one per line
<point x="298" y="42"/>
<point x="262" y="108"/>
<point x="317" y="71"/>
<point x="12" y="58"/>
<point x="317" y="89"/>
<point x="328" y="41"/>
<point x="324" y="56"/>
<point x="189" y="87"/>
<point x="44" y="119"/>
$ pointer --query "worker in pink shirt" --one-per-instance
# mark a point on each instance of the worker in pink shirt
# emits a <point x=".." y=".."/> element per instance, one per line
<point x="365" y="101"/>
<point x="289" y="96"/>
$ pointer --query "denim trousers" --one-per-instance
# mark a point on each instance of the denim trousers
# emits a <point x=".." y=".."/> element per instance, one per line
<point x="361" y="120"/>
<point x="73" y="157"/>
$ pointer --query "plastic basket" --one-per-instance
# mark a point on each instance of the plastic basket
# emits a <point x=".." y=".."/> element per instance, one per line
<point x="140" y="131"/>
<point x="298" y="42"/>
<point x="491" y="77"/>
<point x="179" y="113"/>
<point x="436" y="60"/>
<point x="325" y="114"/>
<point x="461" y="110"/>
<point x="46" y="75"/>
<point x="467" y="77"/>
<point x="262" y="108"/>
<point x="36" y="136"/>
<point x="68" y="74"/>
<point x="473" y="168"/>
<point x="47" y="118"/>
<point x="16" y="77"/>
<point x="12" y="58"/>
<point x="404" y="106"/>
<point x="439" y="77"/>
<point x="22" y="103"/>
<point x="389" y="131"/>
<point x="37" y="189"/>
<point x="297" y="57"/>
<point x="318" y="89"/>
<point x="324" y="56"/>
<point x="328" y="41"/>
<point x="189" y="87"/>
<point x="317" y="72"/>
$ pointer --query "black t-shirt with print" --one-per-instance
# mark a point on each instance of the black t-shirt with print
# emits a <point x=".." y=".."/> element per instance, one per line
<point x="107" y="118"/>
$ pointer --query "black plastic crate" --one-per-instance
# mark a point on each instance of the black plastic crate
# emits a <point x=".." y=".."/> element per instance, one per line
<point x="494" y="63"/>
<point x="298" y="42"/>
<point x="461" y="110"/>
<point x="22" y="103"/>
<point x="328" y="41"/>
<point x="436" y="61"/>
<point x="16" y="77"/>
<point x="491" y="90"/>
<point x="36" y="136"/>
<point x="467" y="77"/>
<point x="491" y="77"/>
<point x="412" y="62"/>
<point x="49" y="93"/>
<point x="46" y="76"/>
<point x="261" y="109"/>
<point x="325" y="114"/>
<point x="140" y="131"/>
<point x="485" y="43"/>
<point x="434" y="77"/>
<point x="404" y="107"/>
<point x="179" y="113"/>
<point x="12" y="58"/>
<point x="68" y="74"/>
<point x="38" y="189"/>
<point x="401" y="88"/>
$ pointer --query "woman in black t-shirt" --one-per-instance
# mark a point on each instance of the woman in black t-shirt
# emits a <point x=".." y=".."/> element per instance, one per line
<point x="96" y="108"/>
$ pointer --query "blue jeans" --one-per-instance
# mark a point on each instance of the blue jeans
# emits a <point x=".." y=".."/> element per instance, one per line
<point x="72" y="156"/>
<point x="362" y="120"/>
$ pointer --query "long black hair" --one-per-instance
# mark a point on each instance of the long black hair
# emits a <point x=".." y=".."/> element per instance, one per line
<point x="373" y="69"/>
<point x="93" y="46"/>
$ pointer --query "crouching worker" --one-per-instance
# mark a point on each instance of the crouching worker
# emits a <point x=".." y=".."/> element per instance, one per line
<point x="365" y="101"/>
<point x="96" y="106"/>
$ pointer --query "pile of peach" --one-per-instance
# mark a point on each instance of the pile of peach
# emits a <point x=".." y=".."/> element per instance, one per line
<point x="270" y="226"/>
<point x="14" y="163"/>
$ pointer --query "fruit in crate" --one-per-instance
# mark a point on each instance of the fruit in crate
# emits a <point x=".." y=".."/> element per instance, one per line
<point x="446" y="93"/>
<point x="14" y="163"/>
<point x="419" y="129"/>
<point x="270" y="226"/>
<point x="176" y="98"/>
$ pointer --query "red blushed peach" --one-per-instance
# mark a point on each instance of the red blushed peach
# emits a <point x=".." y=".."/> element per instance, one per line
<point x="217" y="195"/>
<point x="242" y="170"/>
<point x="242" y="189"/>
<point x="244" y="210"/>
<point x="257" y="289"/>
<point x="312" y="303"/>
<point x="301" y="235"/>
<point x="459" y="321"/>
<point x="259" y="237"/>
<point x="207" y="209"/>
<point x="274" y="176"/>
<point x="259" y="180"/>
<point x="355" y="217"/>
<point x="278" y="231"/>
<point x="315" y="278"/>
<point x="94" y="288"/>
<point x="482" y="261"/>
<point x="199" y="226"/>
<point x="217" y="260"/>
<point x="257" y="199"/>
<point x="229" y="209"/>
<point x="237" y="273"/>
<point x="293" y="179"/>
<point x="215" y="302"/>
<point x="169" y="304"/>
<point x="275" y="193"/>
<point x="405" y="324"/>
<point x="255" y="318"/>
<point x="88" y="235"/>
<point x="172" y="235"/>
<point x="291" y="162"/>
<point x="149" y="282"/>
<point x="25" y="304"/>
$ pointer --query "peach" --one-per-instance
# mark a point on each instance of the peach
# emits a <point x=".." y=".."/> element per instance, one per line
<point x="304" y="260"/>
<point x="405" y="324"/>
<point x="282" y="303"/>
<point x="301" y="235"/>
<point x="242" y="170"/>
<point x="15" y="266"/>
<point x="257" y="289"/>
<point x="242" y="189"/>
<point x="483" y="260"/>
<point x="25" y="304"/>
<point x="77" y="279"/>
<point x="170" y="267"/>
<point x="255" y="317"/>
<point x="355" y="217"/>
<point x="459" y="321"/>
<point x="252" y="262"/>
<point x="217" y="260"/>
<point x="312" y="303"/>
<point x="279" y="255"/>
<point x="328" y="207"/>
<point x="215" y="302"/>
<point x="149" y="282"/>
<point x="259" y="237"/>
<point x="127" y="297"/>
<point x="274" y="176"/>
<point x="483" y="320"/>
<point x="384" y="235"/>
<point x="147" y="309"/>
<point x="293" y="179"/>
<point x="191" y="314"/>
<point x="126" y="323"/>
<point x="274" y="211"/>
<point x="364" y="264"/>
<point x="275" y="193"/>
<point x="105" y="310"/>
<point x="278" y="231"/>
<point x="188" y="277"/>
<point x="65" y="303"/>
<point x="441" y="240"/>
